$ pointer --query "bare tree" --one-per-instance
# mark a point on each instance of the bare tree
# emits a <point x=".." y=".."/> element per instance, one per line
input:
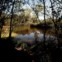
<point x="11" y="19"/>
<point x="44" y="20"/>
<point x="2" y="17"/>
<point x="56" y="10"/>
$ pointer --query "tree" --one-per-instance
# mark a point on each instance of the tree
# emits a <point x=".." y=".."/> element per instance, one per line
<point x="56" y="14"/>
<point x="15" y="8"/>
<point x="2" y="17"/>
<point x="44" y="20"/>
<point x="11" y="19"/>
<point x="38" y="8"/>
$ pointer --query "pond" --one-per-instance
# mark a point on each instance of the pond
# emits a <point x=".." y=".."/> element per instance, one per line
<point x="32" y="35"/>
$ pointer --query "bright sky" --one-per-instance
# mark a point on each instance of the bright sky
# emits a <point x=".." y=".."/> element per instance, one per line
<point x="31" y="3"/>
<point x="41" y="16"/>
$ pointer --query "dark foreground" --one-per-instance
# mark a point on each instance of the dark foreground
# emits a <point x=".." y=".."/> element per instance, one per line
<point x="39" y="53"/>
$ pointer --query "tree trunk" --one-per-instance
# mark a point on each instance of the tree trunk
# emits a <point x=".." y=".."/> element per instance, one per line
<point x="11" y="20"/>
<point x="44" y="21"/>
<point x="55" y="23"/>
<point x="0" y="32"/>
<point x="10" y="27"/>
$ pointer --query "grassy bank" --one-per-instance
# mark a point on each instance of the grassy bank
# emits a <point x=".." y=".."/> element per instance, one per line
<point x="3" y="35"/>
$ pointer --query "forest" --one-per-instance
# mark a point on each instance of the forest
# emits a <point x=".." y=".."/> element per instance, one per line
<point x="31" y="30"/>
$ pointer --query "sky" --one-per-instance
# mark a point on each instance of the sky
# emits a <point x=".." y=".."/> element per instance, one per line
<point x="31" y="4"/>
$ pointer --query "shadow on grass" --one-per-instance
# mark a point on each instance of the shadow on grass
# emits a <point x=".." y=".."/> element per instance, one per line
<point x="9" y="53"/>
<point x="40" y="53"/>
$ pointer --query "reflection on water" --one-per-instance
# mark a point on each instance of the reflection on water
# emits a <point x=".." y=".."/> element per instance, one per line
<point x="33" y="36"/>
<point x="30" y="35"/>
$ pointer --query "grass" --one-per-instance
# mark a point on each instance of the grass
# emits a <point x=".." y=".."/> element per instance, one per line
<point x="3" y="35"/>
<point x="19" y="28"/>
